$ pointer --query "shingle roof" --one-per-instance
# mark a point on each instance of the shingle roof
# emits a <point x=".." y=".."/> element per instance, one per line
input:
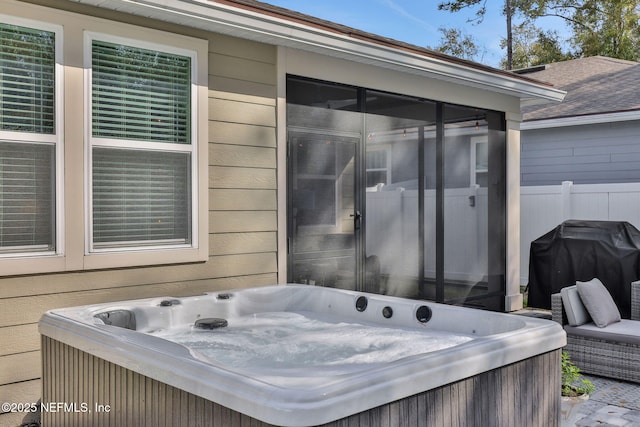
<point x="594" y="85"/>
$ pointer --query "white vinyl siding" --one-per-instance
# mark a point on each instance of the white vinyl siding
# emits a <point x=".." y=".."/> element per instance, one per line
<point x="595" y="153"/>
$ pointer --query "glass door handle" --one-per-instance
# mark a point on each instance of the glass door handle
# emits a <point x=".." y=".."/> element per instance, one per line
<point x="356" y="219"/>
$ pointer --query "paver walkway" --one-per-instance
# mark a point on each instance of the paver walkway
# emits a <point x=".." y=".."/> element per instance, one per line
<point x="614" y="403"/>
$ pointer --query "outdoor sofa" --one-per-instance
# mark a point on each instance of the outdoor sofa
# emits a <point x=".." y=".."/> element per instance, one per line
<point x="598" y="341"/>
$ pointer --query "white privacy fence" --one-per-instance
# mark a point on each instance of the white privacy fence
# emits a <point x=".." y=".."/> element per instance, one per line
<point x="542" y="208"/>
<point x="392" y="232"/>
<point x="392" y="223"/>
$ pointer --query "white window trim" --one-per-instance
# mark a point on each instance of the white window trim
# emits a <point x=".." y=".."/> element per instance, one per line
<point x="50" y="260"/>
<point x="475" y="140"/>
<point x="71" y="144"/>
<point x="91" y="142"/>
<point x="388" y="149"/>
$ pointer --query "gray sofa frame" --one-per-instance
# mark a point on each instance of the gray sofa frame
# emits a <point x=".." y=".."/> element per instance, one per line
<point x="602" y="353"/>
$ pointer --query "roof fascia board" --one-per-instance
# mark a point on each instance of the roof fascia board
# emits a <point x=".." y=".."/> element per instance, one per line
<point x="225" y="19"/>
<point x="581" y="120"/>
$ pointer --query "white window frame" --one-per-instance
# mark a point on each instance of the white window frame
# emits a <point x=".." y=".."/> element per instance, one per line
<point x="56" y="139"/>
<point x="475" y="141"/>
<point x="92" y="142"/>
<point x="72" y="146"/>
<point x="387" y="148"/>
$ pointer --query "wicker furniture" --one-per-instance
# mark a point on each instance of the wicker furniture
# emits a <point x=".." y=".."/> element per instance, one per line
<point x="612" y="351"/>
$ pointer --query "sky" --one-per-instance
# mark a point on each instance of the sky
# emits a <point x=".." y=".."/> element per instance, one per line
<point x="415" y="21"/>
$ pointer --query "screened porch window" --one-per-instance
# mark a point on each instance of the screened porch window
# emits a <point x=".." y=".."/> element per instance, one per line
<point x="142" y="152"/>
<point x="27" y="140"/>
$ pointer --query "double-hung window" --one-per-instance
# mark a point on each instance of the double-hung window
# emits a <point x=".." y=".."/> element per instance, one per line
<point x="115" y="173"/>
<point x="30" y="132"/>
<point x="142" y="146"/>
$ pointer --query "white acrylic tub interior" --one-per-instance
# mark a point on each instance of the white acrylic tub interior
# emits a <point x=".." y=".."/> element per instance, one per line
<point x="294" y="384"/>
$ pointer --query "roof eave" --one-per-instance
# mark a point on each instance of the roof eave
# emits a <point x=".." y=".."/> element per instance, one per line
<point x="248" y="24"/>
<point x="581" y="120"/>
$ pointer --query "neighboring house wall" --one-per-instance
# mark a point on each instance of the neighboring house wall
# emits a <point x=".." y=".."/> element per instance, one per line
<point x="599" y="165"/>
<point x="587" y="154"/>
<point x="242" y="212"/>
<point x="590" y="142"/>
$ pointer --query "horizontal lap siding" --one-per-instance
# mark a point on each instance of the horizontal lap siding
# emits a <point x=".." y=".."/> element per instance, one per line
<point x="242" y="221"/>
<point x="598" y="153"/>
<point x="27" y="391"/>
<point x="242" y="151"/>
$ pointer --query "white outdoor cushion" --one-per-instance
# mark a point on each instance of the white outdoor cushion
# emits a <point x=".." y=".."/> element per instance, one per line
<point x="597" y="299"/>
<point x="577" y="313"/>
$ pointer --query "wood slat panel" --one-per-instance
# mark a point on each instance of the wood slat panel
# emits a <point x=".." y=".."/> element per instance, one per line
<point x="479" y="400"/>
<point x="242" y="134"/>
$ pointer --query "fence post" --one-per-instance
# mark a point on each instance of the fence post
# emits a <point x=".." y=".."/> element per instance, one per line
<point x="566" y="199"/>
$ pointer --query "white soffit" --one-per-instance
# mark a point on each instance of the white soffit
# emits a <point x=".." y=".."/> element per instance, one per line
<point x="242" y="23"/>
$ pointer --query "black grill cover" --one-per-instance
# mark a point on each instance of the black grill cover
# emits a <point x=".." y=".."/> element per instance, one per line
<point x="582" y="250"/>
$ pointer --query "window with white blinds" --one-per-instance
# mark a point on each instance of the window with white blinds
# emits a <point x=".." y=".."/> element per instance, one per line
<point x="27" y="140"/>
<point x="140" y="197"/>
<point x="140" y="94"/>
<point x="142" y="149"/>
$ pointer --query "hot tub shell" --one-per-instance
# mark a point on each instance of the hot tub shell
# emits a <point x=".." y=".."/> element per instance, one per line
<point x="509" y="374"/>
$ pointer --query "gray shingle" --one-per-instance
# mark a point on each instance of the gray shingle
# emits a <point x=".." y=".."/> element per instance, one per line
<point x="594" y="85"/>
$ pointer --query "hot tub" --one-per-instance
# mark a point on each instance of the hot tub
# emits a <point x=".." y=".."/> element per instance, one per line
<point x="297" y="355"/>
